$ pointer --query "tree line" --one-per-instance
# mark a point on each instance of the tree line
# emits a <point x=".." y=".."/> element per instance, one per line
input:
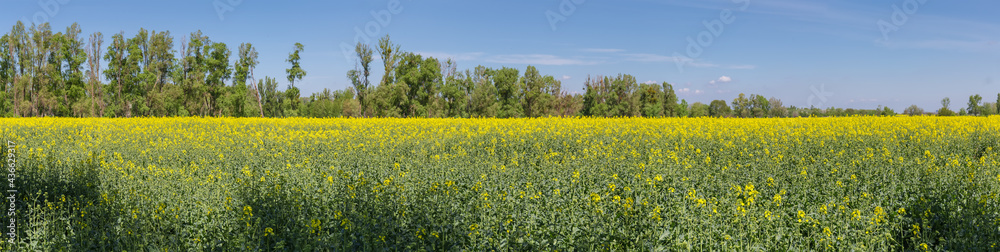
<point x="60" y="74"/>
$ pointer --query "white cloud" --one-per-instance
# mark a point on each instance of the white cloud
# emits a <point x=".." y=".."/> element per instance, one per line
<point x="602" y="50"/>
<point x="457" y="57"/>
<point x="649" y="82"/>
<point x="566" y="77"/>
<point x="538" y="59"/>
<point x="648" y="57"/>
<point x="725" y="79"/>
<point x="689" y="91"/>
<point x="742" y="67"/>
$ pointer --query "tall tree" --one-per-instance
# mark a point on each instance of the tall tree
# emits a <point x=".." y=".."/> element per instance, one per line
<point x="944" y="110"/>
<point x="74" y="57"/>
<point x="759" y="106"/>
<point x="535" y="95"/>
<point x="6" y="74"/>
<point x="267" y="88"/>
<point x="359" y="77"/>
<point x="117" y="68"/>
<point x="718" y="108"/>
<point x="651" y="98"/>
<point x="483" y="98"/>
<point x="594" y="103"/>
<point x="777" y="109"/>
<point x="42" y="73"/>
<point x="19" y="45"/>
<point x="93" y="71"/>
<point x="219" y="71"/>
<point x="244" y="72"/>
<point x="974" y="108"/>
<point x="420" y="77"/>
<point x="508" y="92"/>
<point x="670" y="106"/>
<point x="913" y="110"/>
<point x="295" y="72"/>
<point x="454" y="91"/>
<point x="741" y="106"/>
<point x="390" y="55"/>
<point x="191" y="74"/>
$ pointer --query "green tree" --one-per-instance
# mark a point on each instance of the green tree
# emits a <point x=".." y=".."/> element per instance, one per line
<point x="94" y="86"/>
<point x="158" y="63"/>
<point x="295" y="72"/>
<point x="944" y="110"/>
<point x="120" y="72"/>
<point x="508" y="92"/>
<point x="19" y="46"/>
<point x="73" y="56"/>
<point x="536" y="97"/>
<point x="777" y="109"/>
<point x="741" y="106"/>
<point x="974" y="108"/>
<point x="420" y="76"/>
<point x="190" y="74"/>
<point x="594" y="98"/>
<point x="651" y="98"/>
<point x="243" y="73"/>
<point x="670" y="106"/>
<point x="455" y="91"/>
<point x="219" y="71"/>
<point x="699" y="109"/>
<point x="359" y="77"/>
<point x="885" y="111"/>
<point x="620" y="100"/>
<point x="6" y="75"/>
<point x="483" y="101"/>
<point x="390" y="56"/>
<point x="718" y="108"/>
<point x="759" y="106"/>
<point x="684" y="109"/>
<point x="272" y="98"/>
<point x="913" y="110"/>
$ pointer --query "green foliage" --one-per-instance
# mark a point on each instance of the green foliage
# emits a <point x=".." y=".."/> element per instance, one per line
<point x="703" y="184"/>
<point x="651" y="98"/>
<point x="420" y="76"/>
<point x="718" y="108"/>
<point x="699" y="109"/>
<point x="670" y="106"/>
<point x="295" y="72"/>
<point x="913" y="110"/>
<point x="359" y="77"/>
<point x="483" y="101"/>
<point x="46" y="73"/>
<point x="508" y="89"/>
<point x="390" y="57"/>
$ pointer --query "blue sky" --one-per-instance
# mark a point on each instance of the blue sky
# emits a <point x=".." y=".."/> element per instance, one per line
<point x="821" y="53"/>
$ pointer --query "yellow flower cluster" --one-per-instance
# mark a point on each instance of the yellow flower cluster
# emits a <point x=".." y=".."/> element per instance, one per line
<point x="858" y="183"/>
